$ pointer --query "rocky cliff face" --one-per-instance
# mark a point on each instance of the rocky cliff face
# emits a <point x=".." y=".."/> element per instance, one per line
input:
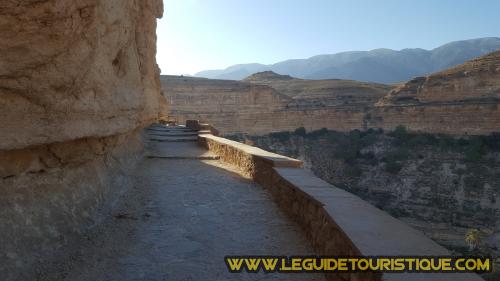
<point x="268" y="102"/>
<point x="332" y="92"/>
<point x="68" y="65"/>
<point x="477" y="80"/>
<point x="461" y="100"/>
<point x="78" y="79"/>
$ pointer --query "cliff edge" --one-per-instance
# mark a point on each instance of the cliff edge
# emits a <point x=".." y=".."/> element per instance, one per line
<point x="477" y="80"/>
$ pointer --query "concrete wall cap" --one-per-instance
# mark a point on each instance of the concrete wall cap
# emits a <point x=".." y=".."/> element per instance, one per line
<point x="275" y="159"/>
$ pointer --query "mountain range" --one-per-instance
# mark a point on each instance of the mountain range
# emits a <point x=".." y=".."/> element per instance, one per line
<point x="379" y="65"/>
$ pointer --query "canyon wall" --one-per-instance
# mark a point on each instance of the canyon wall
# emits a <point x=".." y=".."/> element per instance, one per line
<point x="461" y="100"/>
<point x="78" y="80"/>
<point x="259" y="108"/>
<point x="441" y="185"/>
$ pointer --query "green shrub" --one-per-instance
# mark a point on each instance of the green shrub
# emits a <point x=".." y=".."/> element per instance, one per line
<point x="473" y="185"/>
<point x="317" y="133"/>
<point x="368" y="139"/>
<point x="492" y="142"/>
<point x="348" y="147"/>
<point x="416" y="140"/>
<point x="447" y="143"/>
<point x="400" y="154"/>
<point x="399" y="132"/>
<point x="300" y="131"/>
<point x="353" y="171"/>
<point x="370" y="157"/>
<point x="393" y="167"/>
<point x="395" y="158"/>
<point x="475" y="150"/>
<point x="463" y="142"/>
<point x="281" y="136"/>
<point x="400" y="135"/>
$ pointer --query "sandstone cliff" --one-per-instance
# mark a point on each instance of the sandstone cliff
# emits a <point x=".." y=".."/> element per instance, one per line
<point x="332" y="92"/>
<point x="68" y="65"/>
<point x="78" y="79"/>
<point x="477" y="80"/>
<point x="269" y="102"/>
<point x="461" y="100"/>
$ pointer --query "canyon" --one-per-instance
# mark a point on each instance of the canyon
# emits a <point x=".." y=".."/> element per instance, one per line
<point x="426" y="151"/>
<point x="251" y="107"/>
<point x="97" y="183"/>
<point x="459" y="101"/>
<point x="441" y="185"/>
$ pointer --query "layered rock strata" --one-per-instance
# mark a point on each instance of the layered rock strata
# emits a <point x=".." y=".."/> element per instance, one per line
<point x="275" y="103"/>
<point x="461" y="100"/>
<point x="78" y="80"/>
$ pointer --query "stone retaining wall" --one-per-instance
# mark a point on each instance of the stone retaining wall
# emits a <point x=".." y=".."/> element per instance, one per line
<point x="336" y="222"/>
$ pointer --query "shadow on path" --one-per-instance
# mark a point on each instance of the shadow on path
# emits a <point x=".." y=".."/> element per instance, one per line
<point x="179" y="221"/>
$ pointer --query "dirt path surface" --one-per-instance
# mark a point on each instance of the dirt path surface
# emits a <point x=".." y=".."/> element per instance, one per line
<point x="180" y="220"/>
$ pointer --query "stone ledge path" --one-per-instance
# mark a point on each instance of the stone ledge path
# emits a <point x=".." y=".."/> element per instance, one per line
<point x="183" y="215"/>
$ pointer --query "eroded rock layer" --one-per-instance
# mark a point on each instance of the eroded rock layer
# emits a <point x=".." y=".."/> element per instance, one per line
<point x="269" y="102"/>
<point x="462" y="100"/>
<point x="477" y="80"/>
<point x="78" y="80"/>
<point x="67" y="66"/>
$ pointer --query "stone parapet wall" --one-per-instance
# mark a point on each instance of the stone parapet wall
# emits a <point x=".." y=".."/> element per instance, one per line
<point x="336" y="222"/>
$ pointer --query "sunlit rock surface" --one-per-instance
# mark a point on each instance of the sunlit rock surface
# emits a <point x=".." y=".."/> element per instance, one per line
<point x="78" y="82"/>
<point x="67" y="66"/>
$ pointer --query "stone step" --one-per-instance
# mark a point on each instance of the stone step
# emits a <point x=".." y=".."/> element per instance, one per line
<point x="202" y="157"/>
<point x="166" y="129"/>
<point x="173" y="139"/>
<point x="173" y="134"/>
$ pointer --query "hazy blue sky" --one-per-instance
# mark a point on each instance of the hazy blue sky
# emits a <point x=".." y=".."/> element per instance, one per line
<point x="196" y="35"/>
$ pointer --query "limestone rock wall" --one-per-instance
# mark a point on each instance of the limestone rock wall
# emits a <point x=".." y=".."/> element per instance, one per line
<point x="248" y="107"/>
<point x="462" y="100"/>
<point x="477" y="80"/>
<point x="78" y="81"/>
<point x="469" y="118"/>
<point x="66" y="66"/>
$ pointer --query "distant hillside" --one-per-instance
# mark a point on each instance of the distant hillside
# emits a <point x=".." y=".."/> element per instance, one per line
<point x="331" y="92"/>
<point x="476" y="80"/>
<point x="380" y="65"/>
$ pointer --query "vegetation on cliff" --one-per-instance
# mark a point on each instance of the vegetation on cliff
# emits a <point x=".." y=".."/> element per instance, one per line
<point x="441" y="184"/>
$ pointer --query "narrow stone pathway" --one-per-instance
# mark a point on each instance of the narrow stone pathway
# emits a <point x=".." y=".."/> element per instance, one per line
<point x="187" y="211"/>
